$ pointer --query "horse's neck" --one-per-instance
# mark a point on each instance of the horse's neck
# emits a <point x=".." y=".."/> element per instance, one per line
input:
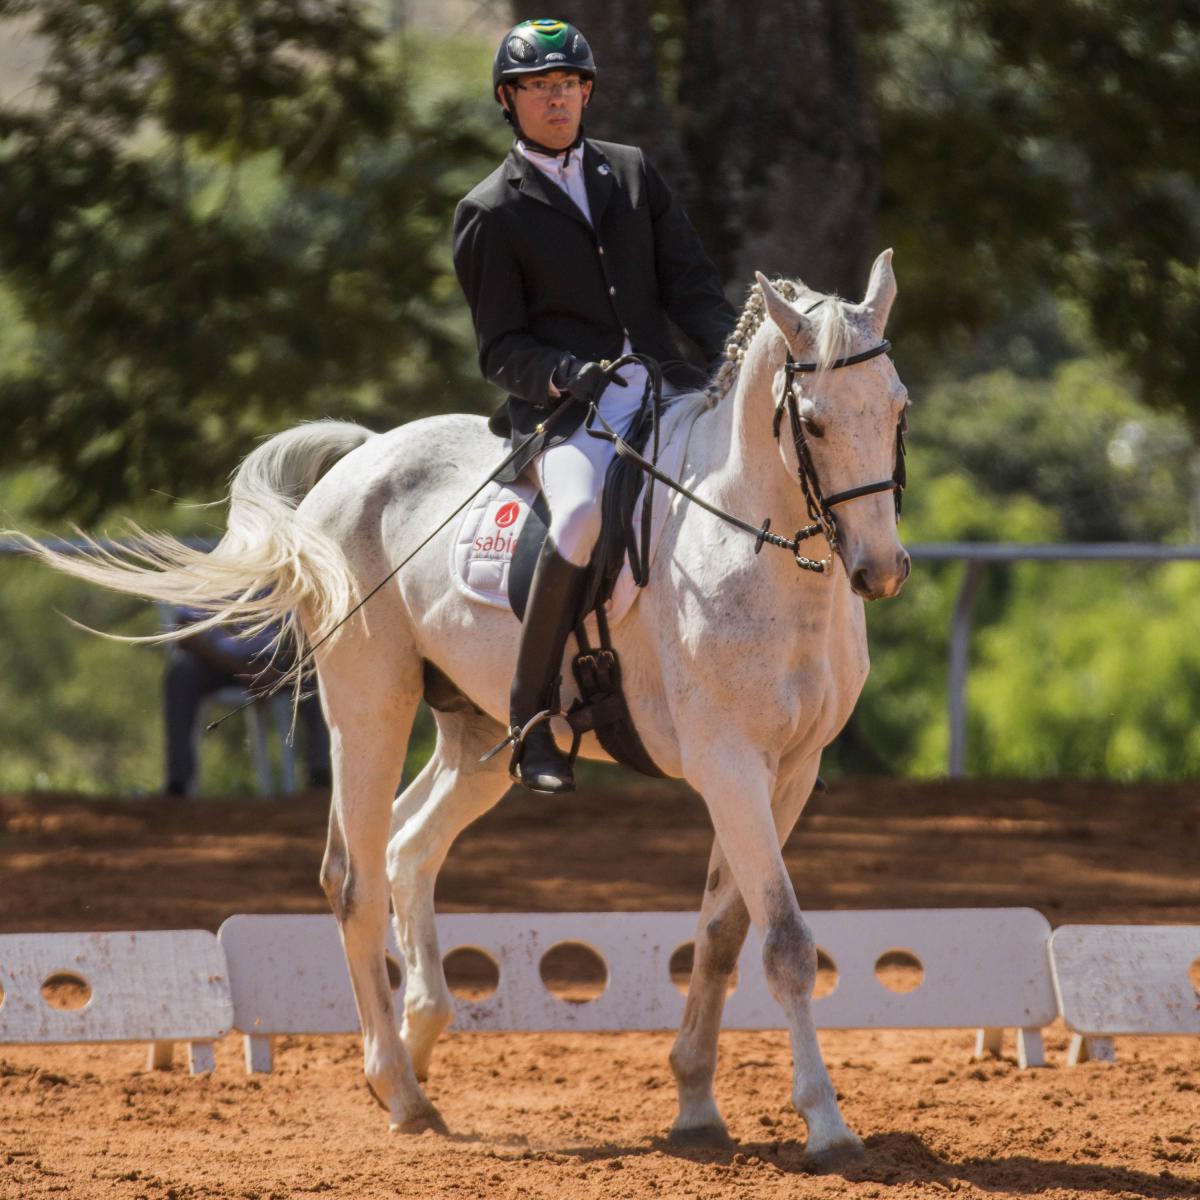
<point x="738" y="466"/>
<point x="742" y="469"/>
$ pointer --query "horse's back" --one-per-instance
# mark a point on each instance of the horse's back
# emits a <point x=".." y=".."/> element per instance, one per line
<point x="416" y="467"/>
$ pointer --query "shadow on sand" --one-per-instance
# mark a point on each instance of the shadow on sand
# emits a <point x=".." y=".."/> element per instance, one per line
<point x="903" y="1158"/>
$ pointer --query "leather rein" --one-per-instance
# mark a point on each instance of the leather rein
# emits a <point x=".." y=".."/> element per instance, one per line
<point x="820" y="506"/>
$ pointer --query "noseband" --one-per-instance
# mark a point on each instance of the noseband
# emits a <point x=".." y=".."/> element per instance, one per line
<point x="820" y="506"/>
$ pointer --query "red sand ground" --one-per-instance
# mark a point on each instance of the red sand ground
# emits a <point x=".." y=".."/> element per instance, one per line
<point x="556" y="1116"/>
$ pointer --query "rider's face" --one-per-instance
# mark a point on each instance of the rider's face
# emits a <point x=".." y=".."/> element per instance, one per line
<point x="549" y="107"/>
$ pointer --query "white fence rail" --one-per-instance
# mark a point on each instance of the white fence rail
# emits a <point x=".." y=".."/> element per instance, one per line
<point x="159" y="987"/>
<point x="270" y="975"/>
<point x="979" y="968"/>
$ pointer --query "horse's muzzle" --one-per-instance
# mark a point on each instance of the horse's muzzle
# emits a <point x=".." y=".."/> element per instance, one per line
<point x="875" y="582"/>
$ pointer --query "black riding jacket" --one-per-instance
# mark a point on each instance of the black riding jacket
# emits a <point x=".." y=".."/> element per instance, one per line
<point x="541" y="281"/>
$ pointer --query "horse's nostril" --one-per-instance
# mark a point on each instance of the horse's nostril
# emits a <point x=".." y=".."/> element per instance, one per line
<point x="858" y="580"/>
<point x="905" y="567"/>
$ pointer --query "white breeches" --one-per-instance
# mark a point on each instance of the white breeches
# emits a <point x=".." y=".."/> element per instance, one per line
<point x="571" y="474"/>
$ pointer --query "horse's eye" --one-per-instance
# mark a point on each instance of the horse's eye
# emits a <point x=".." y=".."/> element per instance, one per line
<point x="813" y="427"/>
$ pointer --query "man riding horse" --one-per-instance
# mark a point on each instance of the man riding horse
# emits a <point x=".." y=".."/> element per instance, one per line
<point x="571" y="252"/>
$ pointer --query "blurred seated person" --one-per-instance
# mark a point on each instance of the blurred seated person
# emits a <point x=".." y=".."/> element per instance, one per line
<point x="208" y="661"/>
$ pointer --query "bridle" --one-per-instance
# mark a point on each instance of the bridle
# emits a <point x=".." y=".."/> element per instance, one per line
<point x="820" y="506"/>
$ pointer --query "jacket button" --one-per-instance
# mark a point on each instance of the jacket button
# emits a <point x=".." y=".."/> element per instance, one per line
<point x="612" y="291"/>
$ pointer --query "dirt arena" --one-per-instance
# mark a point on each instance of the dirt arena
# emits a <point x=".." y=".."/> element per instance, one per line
<point x="560" y="1116"/>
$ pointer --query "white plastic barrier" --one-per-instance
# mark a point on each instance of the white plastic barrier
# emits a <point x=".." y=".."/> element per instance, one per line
<point x="160" y="987"/>
<point x="985" y="968"/>
<point x="1124" y="979"/>
<point x="982" y="968"/>
<point x="287" y="974"/>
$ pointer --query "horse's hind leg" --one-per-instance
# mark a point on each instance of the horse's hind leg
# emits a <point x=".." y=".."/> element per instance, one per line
<point x="368" y="740"/>
<point x="452" y="790"/>
<point x="742" y="821"/>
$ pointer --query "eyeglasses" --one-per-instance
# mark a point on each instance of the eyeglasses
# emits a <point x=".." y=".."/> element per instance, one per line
<point x="543" y="89"/>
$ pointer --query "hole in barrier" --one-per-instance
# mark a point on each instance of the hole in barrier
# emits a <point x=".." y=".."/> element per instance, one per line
<point x="573" y="972"/>
<point x="471" y="973"/>
<point x="827" y="975"/>
<point x="66" y="992"/>
<point x="395" y="972"/>
<point x="680" y="968"/>
<point x="899" y="971"/>
<point x="1194" y="975"/>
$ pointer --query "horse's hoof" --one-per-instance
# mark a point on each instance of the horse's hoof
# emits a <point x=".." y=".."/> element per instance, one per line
<point x="428" y="1120"/>
<point x="846" y="1153"/>
<point x="712" y="1137"/>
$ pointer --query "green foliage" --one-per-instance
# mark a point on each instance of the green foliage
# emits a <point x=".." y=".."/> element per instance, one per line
<point x="1076" y="442"/>
<point x="70" y="710"/>
<point x="1077" y="669"/>
<point x="1091" y="674"/>
<point x="1030" y="147"/>
<point x="225" y="218"/>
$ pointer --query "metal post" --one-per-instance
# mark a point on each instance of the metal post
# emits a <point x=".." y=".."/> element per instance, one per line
<point x="960" y="647"/>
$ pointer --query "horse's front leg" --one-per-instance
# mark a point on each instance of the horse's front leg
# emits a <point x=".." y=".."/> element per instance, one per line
<point x="737" y="789"/>
<point x="721" y="931"/>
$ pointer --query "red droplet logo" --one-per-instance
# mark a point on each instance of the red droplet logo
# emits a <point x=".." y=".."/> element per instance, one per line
<point x="508" y="514"/>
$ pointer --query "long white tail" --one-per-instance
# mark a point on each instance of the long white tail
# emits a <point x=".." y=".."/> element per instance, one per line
<point x="271" y="563"/>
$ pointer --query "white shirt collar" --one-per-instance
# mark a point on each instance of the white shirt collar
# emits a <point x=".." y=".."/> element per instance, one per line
<point x="573" y="160"/>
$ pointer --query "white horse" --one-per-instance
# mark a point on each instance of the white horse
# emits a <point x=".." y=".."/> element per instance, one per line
<point x="739" y="668"/>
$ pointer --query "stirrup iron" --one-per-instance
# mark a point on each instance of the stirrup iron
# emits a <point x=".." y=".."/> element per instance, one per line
<point x="516" y="736"/>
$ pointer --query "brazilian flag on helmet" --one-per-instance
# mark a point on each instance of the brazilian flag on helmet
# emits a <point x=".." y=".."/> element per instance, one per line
<point x="533" y="47"/>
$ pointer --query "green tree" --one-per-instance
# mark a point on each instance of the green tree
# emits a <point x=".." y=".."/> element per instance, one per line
<point x="220" y="218"/>
<point x="1033" y="148"/>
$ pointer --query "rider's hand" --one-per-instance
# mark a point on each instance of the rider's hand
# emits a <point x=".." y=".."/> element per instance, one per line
<point x="583" y="381"/>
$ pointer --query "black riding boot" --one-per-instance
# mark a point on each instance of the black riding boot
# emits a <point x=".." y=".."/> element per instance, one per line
<point x="551" y="612"/>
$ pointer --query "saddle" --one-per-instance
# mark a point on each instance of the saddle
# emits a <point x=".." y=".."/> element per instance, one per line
<point x="500" y="539"/>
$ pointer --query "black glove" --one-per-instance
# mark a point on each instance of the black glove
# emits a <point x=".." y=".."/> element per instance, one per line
<point x="582" y="381"/>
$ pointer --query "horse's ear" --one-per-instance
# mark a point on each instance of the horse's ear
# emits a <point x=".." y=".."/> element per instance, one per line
<point x="792" y="323"/>
<point x="881" y="291"/>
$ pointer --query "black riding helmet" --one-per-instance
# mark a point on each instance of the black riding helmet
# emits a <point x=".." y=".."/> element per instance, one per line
<point x="535" y="47"/>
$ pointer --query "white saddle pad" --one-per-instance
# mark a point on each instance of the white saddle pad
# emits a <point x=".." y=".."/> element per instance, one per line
<point x="481" y="554"/>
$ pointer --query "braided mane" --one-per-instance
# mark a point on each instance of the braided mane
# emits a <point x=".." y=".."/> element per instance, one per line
<point x="834" y="333"/>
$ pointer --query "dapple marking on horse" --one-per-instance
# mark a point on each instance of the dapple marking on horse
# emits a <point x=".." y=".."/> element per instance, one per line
<point x="739" y="669"/>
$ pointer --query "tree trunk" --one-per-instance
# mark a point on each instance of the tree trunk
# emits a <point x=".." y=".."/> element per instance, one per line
<point x="770" y="141"/>
<point x="778" y="125"/>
